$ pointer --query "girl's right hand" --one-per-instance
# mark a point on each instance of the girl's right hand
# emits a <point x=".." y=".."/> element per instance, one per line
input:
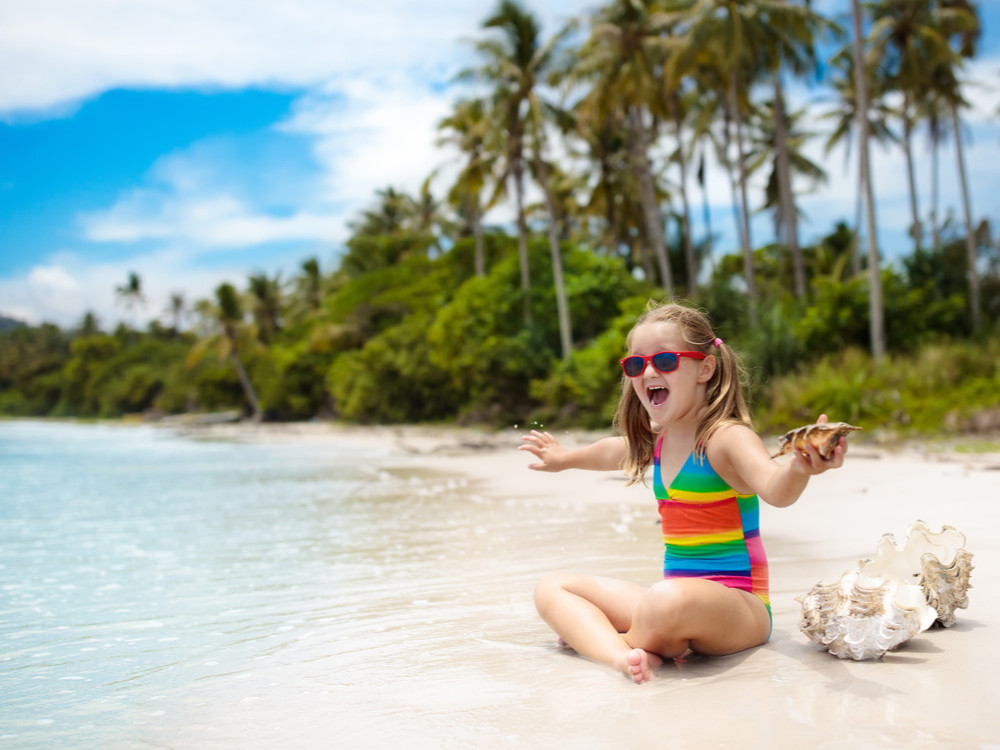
<point x="546" y="448"/>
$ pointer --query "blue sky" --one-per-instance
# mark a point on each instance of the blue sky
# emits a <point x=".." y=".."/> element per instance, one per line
<point x="199" y="142"/>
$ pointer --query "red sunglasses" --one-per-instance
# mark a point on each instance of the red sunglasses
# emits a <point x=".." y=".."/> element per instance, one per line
<point x="635" y="365"/>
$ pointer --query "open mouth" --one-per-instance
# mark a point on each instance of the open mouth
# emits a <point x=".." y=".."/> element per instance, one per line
<point x="657" y="395"/>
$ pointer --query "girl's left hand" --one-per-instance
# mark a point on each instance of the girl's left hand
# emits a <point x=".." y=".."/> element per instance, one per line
<point x="808" y="460"/>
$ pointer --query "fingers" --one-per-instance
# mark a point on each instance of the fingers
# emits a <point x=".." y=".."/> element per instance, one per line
<point x="813" y="463"/>
<point x="539" y="444"/>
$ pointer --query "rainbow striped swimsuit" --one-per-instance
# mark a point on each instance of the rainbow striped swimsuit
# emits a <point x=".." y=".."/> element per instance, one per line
<point x="709" y="530"/>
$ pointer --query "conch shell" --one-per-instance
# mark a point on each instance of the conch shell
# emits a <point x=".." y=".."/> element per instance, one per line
<point x="823" y="437"/>
<point x="883" y="602"/>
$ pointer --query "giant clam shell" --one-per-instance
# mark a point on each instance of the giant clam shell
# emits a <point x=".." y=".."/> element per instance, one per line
<point x="822" y="436"/>
<point x="885" y="601"/>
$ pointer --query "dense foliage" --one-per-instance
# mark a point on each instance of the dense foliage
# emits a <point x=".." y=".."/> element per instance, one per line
<point x="425" y="339"/>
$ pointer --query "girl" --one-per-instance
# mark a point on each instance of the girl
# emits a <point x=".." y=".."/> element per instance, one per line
<point x="681" y="411"/>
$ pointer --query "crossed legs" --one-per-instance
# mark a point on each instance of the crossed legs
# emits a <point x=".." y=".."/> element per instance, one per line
<point x="633" y="628"/>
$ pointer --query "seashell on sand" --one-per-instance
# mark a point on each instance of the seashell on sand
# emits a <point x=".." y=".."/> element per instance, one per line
<point x="883" y="602"/>
<point x="824" y="437"/>
<point x="938" y="562"/>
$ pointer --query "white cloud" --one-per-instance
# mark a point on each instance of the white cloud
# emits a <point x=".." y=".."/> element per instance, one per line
<point x="55" y="51"/>
<point x="62" y="292"/>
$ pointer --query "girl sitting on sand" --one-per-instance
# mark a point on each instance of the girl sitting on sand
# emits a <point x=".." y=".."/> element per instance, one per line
<point x="682" y="411"/>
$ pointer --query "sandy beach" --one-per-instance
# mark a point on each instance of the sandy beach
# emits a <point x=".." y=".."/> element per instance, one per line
<point x="936" y="690"/>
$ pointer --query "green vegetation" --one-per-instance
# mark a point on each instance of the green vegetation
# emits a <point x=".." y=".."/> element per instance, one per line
<point x="430" y="315"/>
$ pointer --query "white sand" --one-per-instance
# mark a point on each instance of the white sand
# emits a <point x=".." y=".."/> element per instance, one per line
<point x="937" y="690"/>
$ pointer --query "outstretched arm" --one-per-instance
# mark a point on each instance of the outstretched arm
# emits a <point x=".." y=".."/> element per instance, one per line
<point x="741" y="455"/>
<point x="606" y="454"/>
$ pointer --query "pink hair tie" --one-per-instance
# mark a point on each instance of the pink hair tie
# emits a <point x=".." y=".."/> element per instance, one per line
<point x="718" y="343"/>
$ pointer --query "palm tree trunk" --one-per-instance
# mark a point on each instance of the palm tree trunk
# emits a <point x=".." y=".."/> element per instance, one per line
<point x="787" y="198"/>
<point x="935" y="187"/>
<point x="970" y="236"/>
<point x="522" y="239"/>
<point x="689" y="259"/>
<point x="748" y="264"/>
<point x="915" y="231"/>
<point x="248" y="389"/>
<point x="562" y="304"/>
<point x="706" y="211"/>
<point x="876" y="310"/>
<point x="647" y="196"/>
<point x="477" y="233"/>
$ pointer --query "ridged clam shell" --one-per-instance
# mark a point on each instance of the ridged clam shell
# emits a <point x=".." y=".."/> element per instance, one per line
<point x="885" y="601"/>
<point x="823" y="437"/>
<point x="937" y="562"/>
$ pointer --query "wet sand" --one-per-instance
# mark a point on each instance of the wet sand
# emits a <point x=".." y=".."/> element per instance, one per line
<point x="473" y="666"/>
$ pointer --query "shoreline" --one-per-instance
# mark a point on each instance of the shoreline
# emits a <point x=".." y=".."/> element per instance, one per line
<point x="450" y="441"/>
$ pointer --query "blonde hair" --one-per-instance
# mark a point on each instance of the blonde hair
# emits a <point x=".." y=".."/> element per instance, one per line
<point x="724" y="391"/>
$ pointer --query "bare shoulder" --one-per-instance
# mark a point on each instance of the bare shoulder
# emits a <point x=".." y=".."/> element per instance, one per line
<point x="736" y="452"/>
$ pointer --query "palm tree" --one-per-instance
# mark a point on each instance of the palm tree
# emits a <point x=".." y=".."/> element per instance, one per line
<point x="796" y="29"/>
<point x="511" y="60"/>
<point x="731" y="36"/>
<point x="516" y="64"/>
<point x="620" y="60"/>
<point x="766" y="152"/>
<point x="309" y="287"/>
<point x="906" y="41"/>
<point x="265" y="296"/>
<point x="875" y="305"/>
<point x="131" y="296"/>
<point x="468" y="129"/>
<point x="176" y="310"/>
<point x="959" y="25"/>
<point x="228" y="338"/>
<point x="845" y="115"/>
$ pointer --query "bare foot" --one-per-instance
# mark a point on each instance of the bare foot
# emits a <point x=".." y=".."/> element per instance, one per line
<point x="641" y="664"/>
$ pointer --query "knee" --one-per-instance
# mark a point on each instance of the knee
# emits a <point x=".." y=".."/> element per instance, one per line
<point x="548" y="589"/>
<point x="668" y="604"/>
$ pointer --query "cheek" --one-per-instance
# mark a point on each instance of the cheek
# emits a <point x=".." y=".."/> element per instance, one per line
<point x="637" y="387"/>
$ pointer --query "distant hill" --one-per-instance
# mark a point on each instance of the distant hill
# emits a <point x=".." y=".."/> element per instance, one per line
<point x="8" y="323"/>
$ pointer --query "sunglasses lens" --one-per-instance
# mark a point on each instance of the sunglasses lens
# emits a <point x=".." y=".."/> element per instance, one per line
<point x="633" y="366"/>
<point x="666" y="361"/>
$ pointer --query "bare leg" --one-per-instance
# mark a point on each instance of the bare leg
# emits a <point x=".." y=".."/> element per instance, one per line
<point x="590" y="613"/>
<point x="704" y="616"/>
<point x="632" y="628"/>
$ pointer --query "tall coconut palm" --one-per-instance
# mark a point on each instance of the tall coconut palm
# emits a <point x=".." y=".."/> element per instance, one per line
<point x="619" y="62"/>
<point x="517" y="61"/>
<point x="266" y="301"/>
<point x="876" y="308"/>
<point x="177" y="309"/>
<point x="510" y="61"/>
<point x="844" y="116"/>
<point x="766" y="153"/>
<point x="959" y="24"/>
<point x="735" y="35"/>
<point x="467" y="128"/>
<point x="906" y="40"/>
<point x="130" y="294"/>
<point x="792" y="45"/>
<point x="225" y="333"/>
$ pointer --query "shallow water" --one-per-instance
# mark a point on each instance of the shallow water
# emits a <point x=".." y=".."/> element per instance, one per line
<point x="164" y="591"/>
<point x="161" y="591"/>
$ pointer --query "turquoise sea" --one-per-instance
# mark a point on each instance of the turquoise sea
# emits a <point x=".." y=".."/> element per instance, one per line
<point x="158" y="590"/>
<point x="135" y="564"/>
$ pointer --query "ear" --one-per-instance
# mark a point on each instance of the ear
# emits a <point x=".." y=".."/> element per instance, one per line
<point x="707" y="369"/>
